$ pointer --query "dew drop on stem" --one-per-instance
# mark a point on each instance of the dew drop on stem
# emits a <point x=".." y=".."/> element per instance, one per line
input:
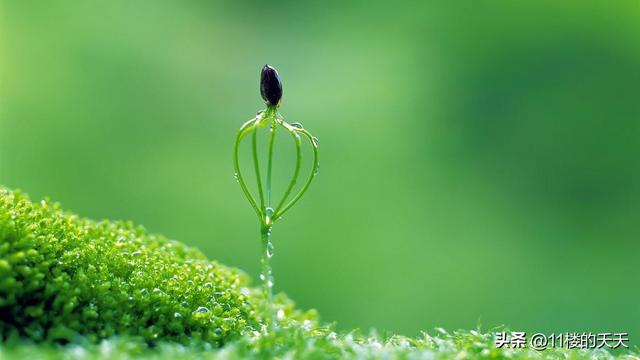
<point x="269" y="249"/>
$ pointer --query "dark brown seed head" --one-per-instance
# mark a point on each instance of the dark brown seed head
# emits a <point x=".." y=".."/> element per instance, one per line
<point x="270" y="85"/>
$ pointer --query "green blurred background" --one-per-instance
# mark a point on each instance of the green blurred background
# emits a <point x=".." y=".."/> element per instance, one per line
<point x="480" y="160"/>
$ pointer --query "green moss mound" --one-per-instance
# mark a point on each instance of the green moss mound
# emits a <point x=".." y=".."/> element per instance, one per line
<point x="75" y="288"/>
<point x="62" y="276"/>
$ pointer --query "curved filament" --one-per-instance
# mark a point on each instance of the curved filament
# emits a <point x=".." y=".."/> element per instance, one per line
<point x="256" y="166"/>
<point x="272" y="136"/>
<point x="264" y="211"/>
<point x="296" y="171"/>
<point x="244" y="130"/>
<point x="312" y="174"/>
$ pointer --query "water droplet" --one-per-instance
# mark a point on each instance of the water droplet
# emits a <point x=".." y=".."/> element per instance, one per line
<point x="316" y="170"/>
<point x="297" y="125"/>
<point x="144" y="292"/>
<point x="269" y="249"/>
<point x="136" y="253"/>
<point x="202" y="310"/>
<point x="280" y="315"/>
<point x="314" y="140"/>
<point x="208" y="285"/>
<point x="235" y="176"/>
<point x="267" y="216"/>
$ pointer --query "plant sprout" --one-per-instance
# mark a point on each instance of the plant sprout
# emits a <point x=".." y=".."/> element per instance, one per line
<point x="268" y="210"/>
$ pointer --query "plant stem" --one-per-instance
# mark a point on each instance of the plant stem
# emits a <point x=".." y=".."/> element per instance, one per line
<point x="256" y="166"/>
<point x="264" y="210"/>
<point x="266" y="275"/>
<point x="296" y="172"/>
<point x="272" y="136"/>
<point x="314" y="170"/>
<point x="248" y="126"/>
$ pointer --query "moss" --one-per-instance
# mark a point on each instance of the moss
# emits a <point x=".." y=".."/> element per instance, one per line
<point x="62" y="276"/>
<point x="75" y="288"/>
<point x="297" y="341"/>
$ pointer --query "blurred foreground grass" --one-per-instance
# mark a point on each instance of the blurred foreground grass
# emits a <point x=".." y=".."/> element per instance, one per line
<point x="296" y="342"/>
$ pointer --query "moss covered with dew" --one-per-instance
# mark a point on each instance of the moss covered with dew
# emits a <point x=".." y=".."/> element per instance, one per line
<point x="72" y="288"/>
<point x="63" y="276"/>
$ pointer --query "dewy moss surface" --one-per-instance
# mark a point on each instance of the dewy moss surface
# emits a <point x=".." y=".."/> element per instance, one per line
<point x="62" y="276"/>
<point x="72" y="288"/>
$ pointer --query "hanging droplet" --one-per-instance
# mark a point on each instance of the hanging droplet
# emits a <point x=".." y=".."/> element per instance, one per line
<point x="297" y="125"/>
<point x="314" y="140"/>
<point x="268" y="214"/>
<point x="269" y="249"/>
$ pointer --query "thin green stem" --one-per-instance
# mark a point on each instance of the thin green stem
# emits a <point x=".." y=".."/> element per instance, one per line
<point x="266" y="275"/>
<point x="296" y="171"/>
<point x="272" y="135"/>
<point x="244" y="130"/>
<point x="256" y="166"/>
<point x="312" y="174"/>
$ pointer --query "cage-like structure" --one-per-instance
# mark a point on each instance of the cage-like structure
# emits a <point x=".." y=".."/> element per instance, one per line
<point x="268" y="210"/>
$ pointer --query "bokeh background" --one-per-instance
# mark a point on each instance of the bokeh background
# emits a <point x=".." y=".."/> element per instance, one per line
<point x="480" y="160"/>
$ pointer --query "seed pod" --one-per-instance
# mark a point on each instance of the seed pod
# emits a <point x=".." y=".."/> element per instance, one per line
<point x="270" y="85"/>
